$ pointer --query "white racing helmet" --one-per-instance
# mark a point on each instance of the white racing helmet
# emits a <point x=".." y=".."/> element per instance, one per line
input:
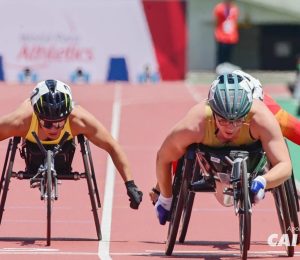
<point x="52" y="100"/>
<point x="254" y="84"/>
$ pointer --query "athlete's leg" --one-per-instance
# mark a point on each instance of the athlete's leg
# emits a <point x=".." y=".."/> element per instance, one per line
<point x="154" y="193"/>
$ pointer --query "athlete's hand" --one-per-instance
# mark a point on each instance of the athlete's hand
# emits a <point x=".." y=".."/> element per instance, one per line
<point x="134" y="194"/>
<point x="258" y="186"/>
<point x="154" y="193"/>
<point x="162" y="208"/>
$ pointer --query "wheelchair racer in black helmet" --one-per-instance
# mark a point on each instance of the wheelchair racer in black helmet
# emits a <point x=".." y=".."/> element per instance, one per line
<point x="50" y="112"/>
<point x="52" y="100"/>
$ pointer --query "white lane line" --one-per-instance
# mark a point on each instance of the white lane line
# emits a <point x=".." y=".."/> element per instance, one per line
<point x="217" y="253"/>
<point x="11" y="249"/>
<point x="4" y="252"/>
<point x="194" y="92"/>
<point x="104" y="244"/>
<point x="183" y="253"/>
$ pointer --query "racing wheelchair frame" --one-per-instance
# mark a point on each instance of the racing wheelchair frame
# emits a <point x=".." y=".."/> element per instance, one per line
<point x="46" y="176"/>
<point x="228" y="171"/>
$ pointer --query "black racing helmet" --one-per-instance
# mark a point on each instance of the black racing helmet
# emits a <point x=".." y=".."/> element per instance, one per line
<point x="52" y="100"/>
<point x="230" y="96"/>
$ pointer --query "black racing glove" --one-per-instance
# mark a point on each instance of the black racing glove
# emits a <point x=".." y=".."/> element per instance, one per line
<point x="134" y="194"/>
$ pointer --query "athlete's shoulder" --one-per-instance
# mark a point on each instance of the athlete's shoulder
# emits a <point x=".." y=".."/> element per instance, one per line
<point x="261" y="115"/>
<point x="23" y="112"/>
<point x="192" y="124"/>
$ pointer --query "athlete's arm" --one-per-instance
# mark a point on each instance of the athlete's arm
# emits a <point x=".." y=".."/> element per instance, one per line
<point x="83" y="122"/>
<point x="17" y="122"/>
<point x="186" y="132"/>
<point x="265" y="127"/>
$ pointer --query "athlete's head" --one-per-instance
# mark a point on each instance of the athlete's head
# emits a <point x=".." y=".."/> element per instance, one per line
<point x="52" y="103"/>
<point x="52" y="100"/>
<point x="254" y="84"/>
<point x="230" y="97"/>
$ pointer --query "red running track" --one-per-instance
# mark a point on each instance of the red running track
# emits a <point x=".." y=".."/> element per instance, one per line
<point x="143" y="115"/>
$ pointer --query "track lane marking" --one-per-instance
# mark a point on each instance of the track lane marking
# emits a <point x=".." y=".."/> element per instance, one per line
<point x="104" y="244"/>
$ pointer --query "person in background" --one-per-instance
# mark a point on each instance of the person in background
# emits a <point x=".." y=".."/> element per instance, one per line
<point x="148" y="76"/>
<point x="80" y="76"/>
<point x="27" y="75"/>
<point x="226" y="32"/>
<point x="290" y="125"/>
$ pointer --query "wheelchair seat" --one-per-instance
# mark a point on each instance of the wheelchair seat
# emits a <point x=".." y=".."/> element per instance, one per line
<point x="216" y="169"/>
<point x="33" y="157"/>
<point x="215" y="157"/>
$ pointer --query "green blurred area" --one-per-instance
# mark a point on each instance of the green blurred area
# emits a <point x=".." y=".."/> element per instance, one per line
<point x="291" y="105"/>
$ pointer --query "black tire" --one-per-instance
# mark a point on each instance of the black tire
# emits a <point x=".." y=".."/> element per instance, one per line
<point x="244" y="213"/>
<point x="293" y="184"/>
<point x="283" y="214"/>
<point x="177" y="207"/>
<point x="8" y="175"/>
<point x="186" y="216"/>
<point x="5" y="164"/>
<point x="49" y="198"/>
<point x="188" y="206"/>
<point x="90" y="186"/>
<point x="93" y="173"/>
<point x="290" y="194"/>
<point x="295" y="191"/>
<point x="4" y="192"/>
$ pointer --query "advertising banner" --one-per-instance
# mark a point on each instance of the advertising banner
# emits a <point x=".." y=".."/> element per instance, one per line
<point x="55" y="38"/>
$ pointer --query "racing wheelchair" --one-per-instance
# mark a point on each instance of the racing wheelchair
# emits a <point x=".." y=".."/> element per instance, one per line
<point x="228" y="172"/>
<point x="46" y="165"/>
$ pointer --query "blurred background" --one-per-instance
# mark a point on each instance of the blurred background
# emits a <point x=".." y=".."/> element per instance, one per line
<point x="99" y="40"/>
<point x="147" y="41"/>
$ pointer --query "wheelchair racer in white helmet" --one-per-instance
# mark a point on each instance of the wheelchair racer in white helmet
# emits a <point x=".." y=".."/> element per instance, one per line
<point x="254" y="83"/>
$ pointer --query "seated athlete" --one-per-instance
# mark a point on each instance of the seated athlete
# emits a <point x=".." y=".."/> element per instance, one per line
<point x="230" y="117"/>
<point x="290" y="125"/>
<point x="50" y="112"/>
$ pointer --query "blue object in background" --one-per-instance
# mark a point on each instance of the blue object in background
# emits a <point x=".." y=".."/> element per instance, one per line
<point x="151" y="78"/>
<point x="27" y="76"/>
<point x="80" y="76"/>
<point x="1" y="70"/>
<point x="117" y="70"/>
<point x="148" y="76"/>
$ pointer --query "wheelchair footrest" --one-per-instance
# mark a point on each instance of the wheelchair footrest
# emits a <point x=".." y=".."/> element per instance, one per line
<point x="202" y="186"/>
<point x="71" y="176"/>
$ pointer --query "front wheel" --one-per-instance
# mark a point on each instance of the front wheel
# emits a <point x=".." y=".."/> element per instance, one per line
<point x="49" y="198"/>
<point x="244" y="213"/>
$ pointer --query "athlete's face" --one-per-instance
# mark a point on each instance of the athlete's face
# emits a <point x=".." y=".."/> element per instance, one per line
<point x="228" y="129"/>
<point x="52" y="129"/>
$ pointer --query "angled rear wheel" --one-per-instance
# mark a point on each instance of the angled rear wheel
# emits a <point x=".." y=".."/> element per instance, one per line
<point x="283" y="214"/>
<point x="181" y="182"/>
